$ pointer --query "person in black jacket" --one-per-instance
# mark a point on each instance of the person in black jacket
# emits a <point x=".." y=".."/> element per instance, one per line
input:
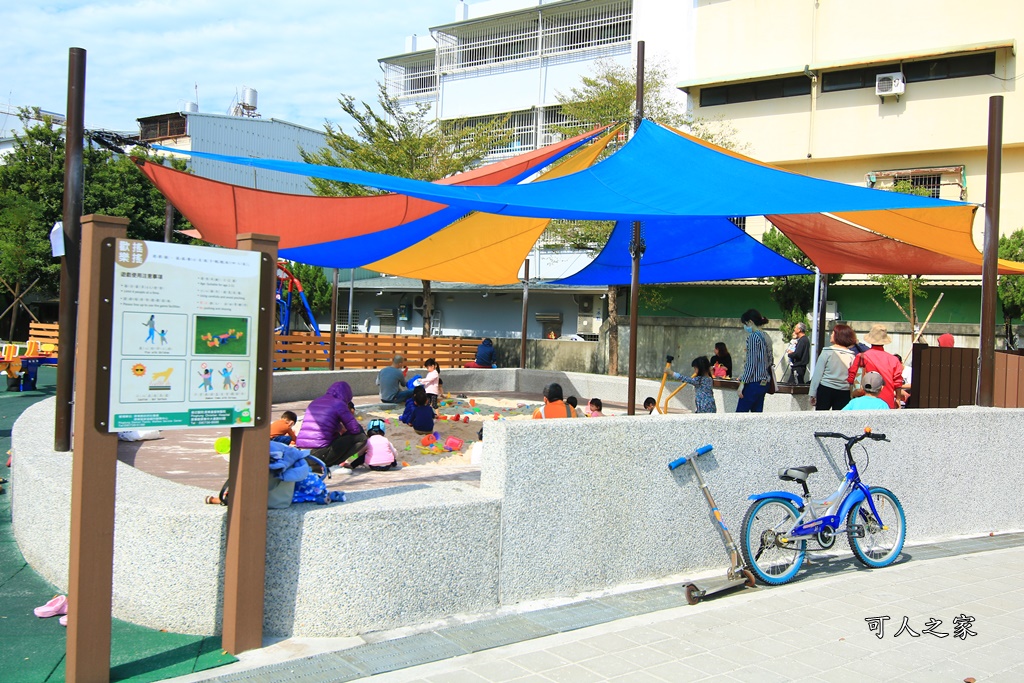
<point x="800" y="356"/>
<point x="485" y="354"/>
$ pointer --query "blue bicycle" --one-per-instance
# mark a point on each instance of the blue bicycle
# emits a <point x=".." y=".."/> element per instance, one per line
<point x="779" y="524"/>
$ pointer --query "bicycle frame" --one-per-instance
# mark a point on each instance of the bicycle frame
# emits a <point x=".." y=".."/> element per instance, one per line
<point x="850" y="492"/>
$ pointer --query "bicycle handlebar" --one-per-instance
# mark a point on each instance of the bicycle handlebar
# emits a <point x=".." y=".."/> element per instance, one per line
<point x="851" y="439"/>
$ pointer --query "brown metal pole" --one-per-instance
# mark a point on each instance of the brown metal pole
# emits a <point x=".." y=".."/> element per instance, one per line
<point x="526" y="298"/>
<point x="93" y="474"/>
<point x="334" y="321"/>
<point x="168" y="221"/>
<point x="990" y="254"/>
<point x="636" y="249"/>
<point x="248" y="475"/>
<point x="74" y="190"/>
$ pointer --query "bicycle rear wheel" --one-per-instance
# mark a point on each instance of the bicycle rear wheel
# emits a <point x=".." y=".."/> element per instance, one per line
<point x="881" y="542"/>
<point x="766" y="522"/>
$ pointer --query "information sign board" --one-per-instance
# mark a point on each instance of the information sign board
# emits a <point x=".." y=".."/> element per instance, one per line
<point x="183" y="353"/>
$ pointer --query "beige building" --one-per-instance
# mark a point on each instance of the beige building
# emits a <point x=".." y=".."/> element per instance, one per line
<point x="867" y="91"/>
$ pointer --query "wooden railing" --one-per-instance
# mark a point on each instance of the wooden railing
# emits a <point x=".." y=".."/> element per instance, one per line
<point x="1009" y="386"/>
<point x="947" y="378"/>
<point x="304" y="351"/>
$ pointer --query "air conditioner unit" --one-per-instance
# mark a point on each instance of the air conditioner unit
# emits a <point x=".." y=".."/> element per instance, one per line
<point x="890" y="84"/>
<point x="418" y="302"/>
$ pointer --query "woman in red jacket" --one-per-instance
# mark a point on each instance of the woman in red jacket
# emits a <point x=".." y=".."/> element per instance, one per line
<point x="877" y="359"/>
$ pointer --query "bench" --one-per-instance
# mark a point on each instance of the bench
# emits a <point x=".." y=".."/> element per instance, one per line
<point x="43" y="339"/>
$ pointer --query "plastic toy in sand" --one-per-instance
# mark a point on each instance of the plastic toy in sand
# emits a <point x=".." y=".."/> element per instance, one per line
<point x="222" y="445"/>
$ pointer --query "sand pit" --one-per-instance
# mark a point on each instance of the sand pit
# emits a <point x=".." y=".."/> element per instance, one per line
<point x="473" y="413"/>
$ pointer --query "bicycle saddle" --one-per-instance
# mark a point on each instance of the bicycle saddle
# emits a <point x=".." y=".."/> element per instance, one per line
<point x="797" y="473"/>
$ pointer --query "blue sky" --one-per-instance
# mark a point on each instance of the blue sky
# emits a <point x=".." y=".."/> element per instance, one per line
<point x="146" y="57"/>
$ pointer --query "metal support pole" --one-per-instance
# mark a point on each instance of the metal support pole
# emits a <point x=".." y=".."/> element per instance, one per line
<point x="990" y="254"/>
<point x="93" y="469"/>
<point x="74" y="191"/>
<point x="168" y="221"/>
<point x="351" y="293"/>
<point x="334" y="321"/>
<point x="636" y="249"/>
<point x="246" y="552"/>
<point x="526" y="298"/>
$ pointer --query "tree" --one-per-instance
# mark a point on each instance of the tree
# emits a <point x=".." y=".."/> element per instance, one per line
<point x="31" y="200"/>
<point x="1011" y="287"/>
<point x="905" y="288"/>
<point x="607" y="96"/>
<point x="316" y="286"/>
<point x="794" y="294"/>
<point x="404" y="142"/>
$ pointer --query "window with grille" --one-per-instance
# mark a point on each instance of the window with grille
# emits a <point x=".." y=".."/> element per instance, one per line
<point x="343" y="320"/>
<point x="534" y="34"/>
<point x="160" y="127"/>
<point x="740" y="222"/>
<point x="945" y="182"/>
<point x="413" y="76"/>
<point x="521" y="125"/>
<point x="768" y="89"/>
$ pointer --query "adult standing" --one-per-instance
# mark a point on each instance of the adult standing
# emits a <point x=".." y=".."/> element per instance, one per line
<point x="829" y="388"/>
<point x="329" y="429"/>
<point x="757" y="367"/>
<point x="800" y="356"/>
<point x="877" y="359"/>
<point x="391" y="381"/>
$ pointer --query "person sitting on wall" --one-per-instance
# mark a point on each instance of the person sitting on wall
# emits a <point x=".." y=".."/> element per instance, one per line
<point x="392" y="382"/>
<point x="485" y="356"/>
<point x="723" y="360"/>
<point x="554" y="407"/>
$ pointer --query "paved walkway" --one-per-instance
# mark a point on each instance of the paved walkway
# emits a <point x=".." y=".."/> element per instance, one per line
<point x="822" y="627"/>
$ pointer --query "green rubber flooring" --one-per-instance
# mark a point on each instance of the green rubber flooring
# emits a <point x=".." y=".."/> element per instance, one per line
<point x="32" y="649"/>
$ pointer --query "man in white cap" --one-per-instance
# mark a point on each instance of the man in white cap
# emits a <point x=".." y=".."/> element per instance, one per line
<point x="877" y="359"/>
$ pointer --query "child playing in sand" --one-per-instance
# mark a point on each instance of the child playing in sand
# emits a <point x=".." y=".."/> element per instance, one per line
<point x="702" y="384"/>
<point x="594" y="408"/>
<point x="571" y="401"/>
<point x="380" y="453"/>
<point x="432" y="382"/>
<point x="422" y="419"/>
<point x="651" y="406"/>
<point x="281" y="430"/>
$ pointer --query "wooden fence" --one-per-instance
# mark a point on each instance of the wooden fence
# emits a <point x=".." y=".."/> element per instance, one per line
<point x="305" y="351"/>
<point x="947" y="378"/>
<point x="1009" y="386"/>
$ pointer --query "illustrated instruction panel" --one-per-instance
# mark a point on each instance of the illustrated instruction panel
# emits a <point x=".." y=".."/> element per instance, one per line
<point x="183" y="353"/>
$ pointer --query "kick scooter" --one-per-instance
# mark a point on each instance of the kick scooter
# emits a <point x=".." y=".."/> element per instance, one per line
<point x="738" y="574"/>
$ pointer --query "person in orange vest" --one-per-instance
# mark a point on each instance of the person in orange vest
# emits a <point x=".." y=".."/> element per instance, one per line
<point x="554" y="406"/>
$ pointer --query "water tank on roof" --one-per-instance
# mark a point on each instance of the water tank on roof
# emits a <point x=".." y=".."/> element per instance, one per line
<point x="249" y="98"/>
<point x="191" y="107"/>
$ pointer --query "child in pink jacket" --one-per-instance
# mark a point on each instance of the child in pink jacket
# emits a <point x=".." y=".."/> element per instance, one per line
<point x="380" y="453"/>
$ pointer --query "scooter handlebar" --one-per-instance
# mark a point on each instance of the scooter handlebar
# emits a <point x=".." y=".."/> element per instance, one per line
<point x="684" y="459"/>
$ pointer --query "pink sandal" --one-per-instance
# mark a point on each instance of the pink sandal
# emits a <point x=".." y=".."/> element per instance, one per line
<point x="63" y="620"/>
<point x="58" y="605"/>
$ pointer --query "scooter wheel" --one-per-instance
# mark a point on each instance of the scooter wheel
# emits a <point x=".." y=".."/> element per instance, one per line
<point x="751" y="581"/>
<point x="693" y="594"/>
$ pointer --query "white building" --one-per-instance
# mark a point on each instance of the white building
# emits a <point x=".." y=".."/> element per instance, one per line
<point x="514" y="57"/>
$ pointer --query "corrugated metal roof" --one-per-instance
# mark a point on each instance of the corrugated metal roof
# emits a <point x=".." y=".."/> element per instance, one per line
<point x="256" y="137"/>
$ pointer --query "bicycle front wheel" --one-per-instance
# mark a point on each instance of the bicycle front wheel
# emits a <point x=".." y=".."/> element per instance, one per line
<point x="773" y="559"/>
<point x="882" y="540"/>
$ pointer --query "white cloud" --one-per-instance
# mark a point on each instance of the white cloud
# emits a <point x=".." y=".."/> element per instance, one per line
<point x="145" y="58"/>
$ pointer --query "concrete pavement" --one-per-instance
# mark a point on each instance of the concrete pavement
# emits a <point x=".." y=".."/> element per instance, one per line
<point x="836" y="622"/>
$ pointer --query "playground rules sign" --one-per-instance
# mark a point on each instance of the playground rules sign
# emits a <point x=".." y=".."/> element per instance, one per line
<point x="182" y="351"/>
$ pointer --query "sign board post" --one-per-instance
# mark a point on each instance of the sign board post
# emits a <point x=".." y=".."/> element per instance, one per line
<point x="94" y="465"/>
<point x="170" y="337"/>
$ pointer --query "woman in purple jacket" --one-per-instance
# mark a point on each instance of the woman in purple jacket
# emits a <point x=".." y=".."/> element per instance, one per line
<point x="330" y="430"/>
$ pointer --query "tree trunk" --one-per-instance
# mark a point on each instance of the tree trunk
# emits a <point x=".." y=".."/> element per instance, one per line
<point x="613" y="330"/>
<point x="14" y="310"/>
<point x="428" y="307"/>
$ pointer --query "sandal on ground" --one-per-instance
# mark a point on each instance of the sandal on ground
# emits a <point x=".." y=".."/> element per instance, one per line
<point x="56" y="606"/>
<point x="63" y="621"/>
<point x="213" y="500"/>
<point x="337" y="496"/>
